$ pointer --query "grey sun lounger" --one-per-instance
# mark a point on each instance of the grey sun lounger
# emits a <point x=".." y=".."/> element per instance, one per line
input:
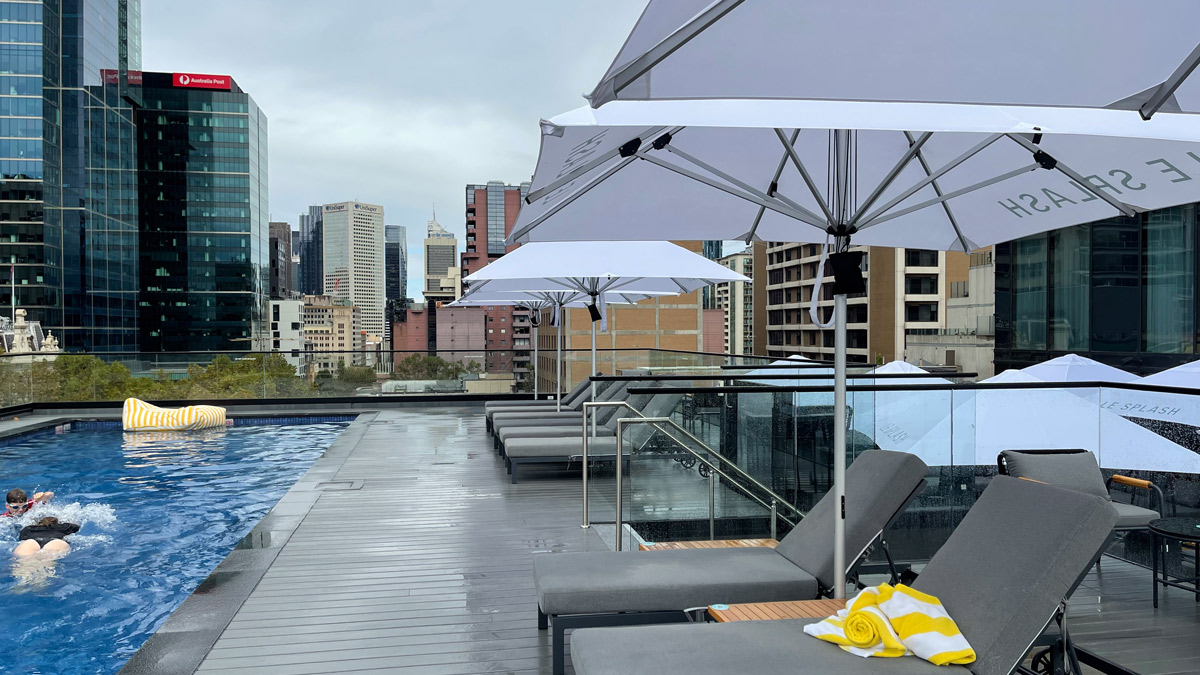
<point x="563" y="449"/>
<point x="523" y="418"/>
<point x="1004" y="576"/>
<point x="577" y="590"/>
<point x="569" y="399"/>
<point x="560" y="425"/>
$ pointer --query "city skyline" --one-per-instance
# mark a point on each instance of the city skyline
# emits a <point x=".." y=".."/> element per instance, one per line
<point x="360" y="122"/>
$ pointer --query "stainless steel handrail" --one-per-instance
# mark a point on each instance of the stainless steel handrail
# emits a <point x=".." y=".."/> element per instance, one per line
<point x="716" y="470"/>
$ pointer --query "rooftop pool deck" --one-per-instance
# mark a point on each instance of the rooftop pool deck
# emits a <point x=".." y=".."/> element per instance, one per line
<point x="405" y="548"/>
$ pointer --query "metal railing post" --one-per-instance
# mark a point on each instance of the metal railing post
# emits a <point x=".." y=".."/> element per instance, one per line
<point x="620" y="458"/>
<point x="774" y="531"/>
<point x="712" y="505"/>
<point x="586" y="521"/>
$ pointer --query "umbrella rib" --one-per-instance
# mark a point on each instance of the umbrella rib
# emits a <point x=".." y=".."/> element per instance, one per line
<point x="570" y="198"/>
<point x="957" y="193"/>
<point x="1079" y="179"/>
<point x="682" y="288"/>
<point x="778" y="208"/>
<point x="586" y="168"/>
<point x="812" y="187"/>
<point x="811" y="218"/>
<point x="667" y="46"/>
<point x="946" y="207"/>
<point x="980" y="147"/>
<point x="913" y="149"/>
<point x="774" y="181"/>
<point x="1165" y="90"/>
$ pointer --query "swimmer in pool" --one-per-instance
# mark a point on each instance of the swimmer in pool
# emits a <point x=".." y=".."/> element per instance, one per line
<point x="17" y="503"/>
<point x="46" y="535"/>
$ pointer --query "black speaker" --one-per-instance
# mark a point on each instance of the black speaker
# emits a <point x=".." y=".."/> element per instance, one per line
<point x="595" y="312"/>
<point x="847" y="273"/>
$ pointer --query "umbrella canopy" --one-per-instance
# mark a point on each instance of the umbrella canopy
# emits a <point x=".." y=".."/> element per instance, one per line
<point x="1012" y="375"/>
<point x="907" y="125"/>
<point x="1075" y="368"/>
<point x="1187" y="375"/>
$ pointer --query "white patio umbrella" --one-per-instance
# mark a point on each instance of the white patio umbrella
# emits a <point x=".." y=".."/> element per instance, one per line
<point x="916" y="125"/>
<point x="554" y="301"/>
<point x="1075" y="368"/>
<point x="1186" y="375"/>
<point x="599" y="270"/>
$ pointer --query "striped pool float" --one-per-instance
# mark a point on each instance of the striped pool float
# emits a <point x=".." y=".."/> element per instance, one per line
<point x="137" y="415"/>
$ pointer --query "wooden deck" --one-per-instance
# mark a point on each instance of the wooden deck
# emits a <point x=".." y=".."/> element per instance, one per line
<point x="426" y="568"/>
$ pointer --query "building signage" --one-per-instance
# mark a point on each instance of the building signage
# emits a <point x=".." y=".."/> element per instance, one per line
<point x="197" y="81"/>
<point x="368" y="209"/>
<point x="329" y="208"/>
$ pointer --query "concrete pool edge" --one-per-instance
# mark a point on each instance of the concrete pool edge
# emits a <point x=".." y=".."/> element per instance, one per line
<point x="185" y="638"/>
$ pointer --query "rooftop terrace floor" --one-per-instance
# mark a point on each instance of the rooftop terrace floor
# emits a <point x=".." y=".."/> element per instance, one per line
<point x="416" y="557"/>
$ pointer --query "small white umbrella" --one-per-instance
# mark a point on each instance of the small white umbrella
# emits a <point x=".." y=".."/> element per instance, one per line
<point x="1186" y="375"/>
<point x="1075" y="368"/>
<point x="897" y="125"/>
<point x="555" y="301"/>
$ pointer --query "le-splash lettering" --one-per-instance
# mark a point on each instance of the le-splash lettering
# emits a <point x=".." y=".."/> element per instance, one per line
<point x="1117" y="406"/>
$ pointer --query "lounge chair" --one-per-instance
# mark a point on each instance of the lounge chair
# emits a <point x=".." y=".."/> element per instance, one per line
<point x="603" y="448"/>
<point x="563" y="426"/>
<point x="1079" y="470"/>
<point x="569" y="399"/>
<point x="576" y="590"/>
<point x="1004" y="576"/>
<point x="545" y="418"/>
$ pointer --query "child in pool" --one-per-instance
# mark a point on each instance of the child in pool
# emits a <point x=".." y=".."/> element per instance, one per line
<point x="46" y="535"/>
<point x="17" y="502"/>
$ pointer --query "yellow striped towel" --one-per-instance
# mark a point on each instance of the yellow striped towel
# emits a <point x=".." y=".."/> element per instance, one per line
<point x="894" y="621"/>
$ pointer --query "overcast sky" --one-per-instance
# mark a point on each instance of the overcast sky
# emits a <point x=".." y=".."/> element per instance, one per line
<point x="400" y="103"/>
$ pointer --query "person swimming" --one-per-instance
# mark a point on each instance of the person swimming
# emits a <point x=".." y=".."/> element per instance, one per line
<point x="48" y="535"/>
<point x="17" y="503"/>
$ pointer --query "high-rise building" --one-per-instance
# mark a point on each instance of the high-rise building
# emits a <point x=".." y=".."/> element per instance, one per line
<point x="354" y="260"/>
<point x="312" y="266"/>
<point x="395" y="262"/>
<point x="492" y="210"/>
<point x="333" y="331"/>
<point x="736" y="299"/>
<point x="66" y="86"/>
<point x="907" y="289"/>
<point x="202" y="203"/>
<point x="713" y="250"/>
<point x="441" y="258"/>
<point x="281" y="260"/>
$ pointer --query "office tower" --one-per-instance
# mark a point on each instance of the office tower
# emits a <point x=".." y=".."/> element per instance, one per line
<point x="736" y="299"/>
<point x="396" y="262"/>
<point x="441" y="268"/>
<point x="66" y="87"/>
<point x="202" y="207"/>
<point x="281" y="260"/>
<point x="713" y="250"/>
<point x="907" y="290"/>
<point x="312" y="266"/>
<point x="353" y="259"/>
<point x="492" y="210"/>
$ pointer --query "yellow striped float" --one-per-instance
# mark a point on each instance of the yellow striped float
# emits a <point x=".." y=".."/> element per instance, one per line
<point x="137" y="415"/>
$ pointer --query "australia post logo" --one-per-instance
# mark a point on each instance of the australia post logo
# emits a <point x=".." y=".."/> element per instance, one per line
<point x="195" y="81"/>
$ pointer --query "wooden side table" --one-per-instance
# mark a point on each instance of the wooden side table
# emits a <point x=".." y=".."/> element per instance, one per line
<point x="767" y="611"/>
<point x="716" y="543"/>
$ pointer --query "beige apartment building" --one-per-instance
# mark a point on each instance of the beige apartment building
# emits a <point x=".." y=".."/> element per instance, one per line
<point x="968" y="342"/>
<point x="907" y="289"/>
<point x="737" y="299"/>
<point x="333" y="325"/>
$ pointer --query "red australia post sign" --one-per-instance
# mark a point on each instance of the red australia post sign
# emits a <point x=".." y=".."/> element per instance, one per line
<point x="197" y="81"/>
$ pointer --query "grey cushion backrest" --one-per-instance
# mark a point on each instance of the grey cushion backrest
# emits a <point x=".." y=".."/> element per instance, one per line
<point x="659" y="405"/>
<point x="613" y="393"/>
<point x="1074" y="470"/>
<point x="1020" y="551"/>
<point x="576" y="396"/>
<point x="636" y="402"/>
<point x="878" y="485"/>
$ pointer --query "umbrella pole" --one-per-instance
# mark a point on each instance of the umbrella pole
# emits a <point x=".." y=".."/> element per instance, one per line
<point x="839" y="446"/>
<point x="593" y="373"/>
<point x="535" y="359"/>
<point x="558" y="363"/>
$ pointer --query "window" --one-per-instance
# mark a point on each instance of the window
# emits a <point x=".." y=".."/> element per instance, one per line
<point x="1168" y="278"/>
<point x="920" y="284"/>
<point x="1069" y="281"/>
<point x="921" y="311"/>
<point x="920" y="258"/>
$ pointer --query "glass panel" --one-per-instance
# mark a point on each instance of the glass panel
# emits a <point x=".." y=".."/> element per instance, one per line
<point x="1169" y="280"/>
<point x="1070" y="267"/>
<point x="1030" y="293"/>
<point x="1116" y="259"/>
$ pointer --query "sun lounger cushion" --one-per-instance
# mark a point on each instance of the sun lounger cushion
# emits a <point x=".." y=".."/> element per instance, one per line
<point x="587" y="583"/>
<point x="878" y="483"/>
<point x="1073" y="470"/>
<point x="759" y="647"/>
<point x="1022" y="548"/>
<point x="567" y="446"/>
<point x="1130" y="516"/>
<point x="508" y="433"/>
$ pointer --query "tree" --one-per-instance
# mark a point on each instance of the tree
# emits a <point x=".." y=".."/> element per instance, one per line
<point x="357" y="375"/>
<point x="419" y="367"/>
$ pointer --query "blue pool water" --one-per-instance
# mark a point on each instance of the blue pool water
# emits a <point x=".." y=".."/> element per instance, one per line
<point x="158" y="511"/>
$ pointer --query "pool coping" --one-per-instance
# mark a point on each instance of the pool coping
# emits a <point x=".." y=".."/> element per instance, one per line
<point x="184" y="640"/>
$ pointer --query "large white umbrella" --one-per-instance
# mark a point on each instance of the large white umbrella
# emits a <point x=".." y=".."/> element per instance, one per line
<point x="555" y="301"/>
<point x="599" y="270"/>
<point x="931" y="124"/>
<point x="1186" y="375"/>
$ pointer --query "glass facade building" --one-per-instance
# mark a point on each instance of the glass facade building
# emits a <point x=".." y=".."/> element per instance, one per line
<point x="1121" y="291"/>
<point x="395" y="267"/>
<point x="68" y="189"/>
<point x="312" y="258"/>
<point x="202" y="201"/>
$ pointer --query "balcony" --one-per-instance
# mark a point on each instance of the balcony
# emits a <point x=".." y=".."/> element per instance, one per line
<point x="953" y="426"/>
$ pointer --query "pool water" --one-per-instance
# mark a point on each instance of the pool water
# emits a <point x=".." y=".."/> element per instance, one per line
<point x="159" y="511"/>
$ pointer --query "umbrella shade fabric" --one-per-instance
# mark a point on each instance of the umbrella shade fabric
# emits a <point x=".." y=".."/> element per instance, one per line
<point x="1075" y="368"/>
<point x="543" y="300"/>
<point x="918" y="50"/>
<point x="1012" y="375"/>
<point x="646" y="267"/>
<point x="629" y="173"/>
<point x="1186" y="375"/>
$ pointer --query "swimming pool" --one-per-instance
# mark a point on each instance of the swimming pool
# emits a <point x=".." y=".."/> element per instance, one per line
<point x="159" y="512"/>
